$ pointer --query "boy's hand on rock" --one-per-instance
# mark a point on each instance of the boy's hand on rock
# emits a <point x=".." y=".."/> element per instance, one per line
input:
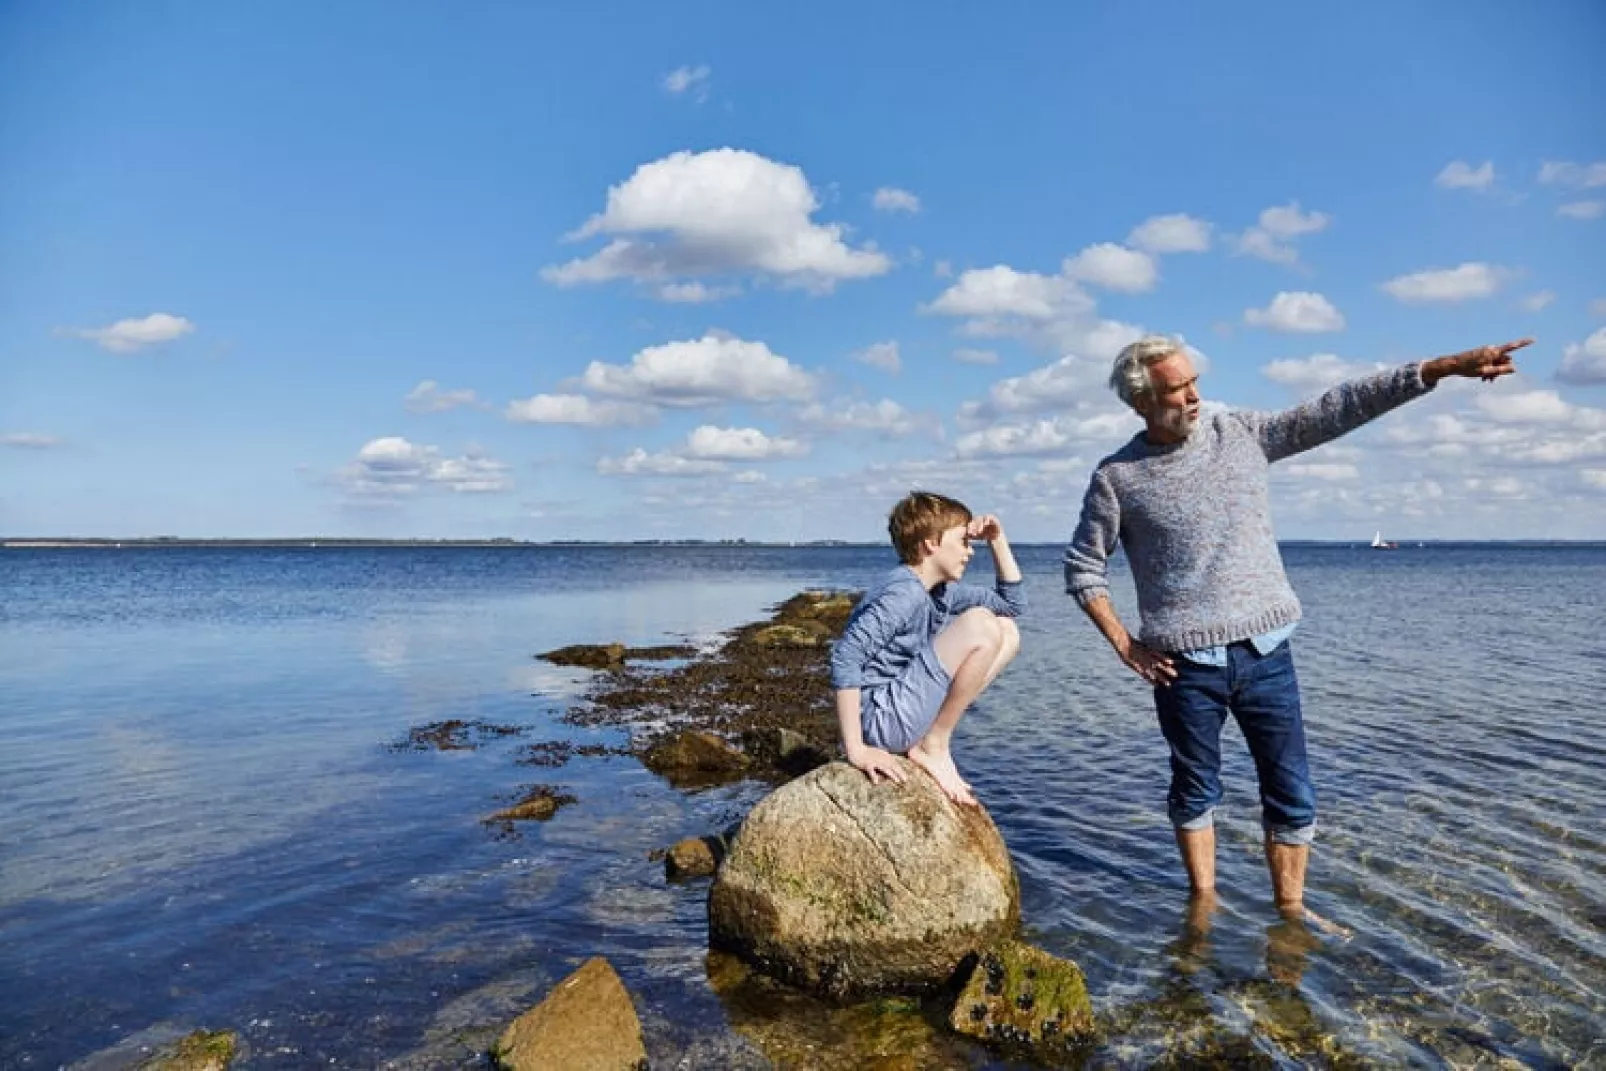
<point x="987" y="527"/>
<point x="877" y="764"/>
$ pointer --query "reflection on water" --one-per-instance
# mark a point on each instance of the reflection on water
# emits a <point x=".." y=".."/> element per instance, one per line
<point x="201" y="825"/>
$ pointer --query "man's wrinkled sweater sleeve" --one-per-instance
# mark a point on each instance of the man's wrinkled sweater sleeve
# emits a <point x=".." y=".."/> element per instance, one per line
<point x="1097" y="533"/>
<point x="1340" y="410"/>
<point x="870" y="630"/>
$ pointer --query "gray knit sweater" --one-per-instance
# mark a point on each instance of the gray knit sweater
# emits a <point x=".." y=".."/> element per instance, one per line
<point x="1195" y="522"/>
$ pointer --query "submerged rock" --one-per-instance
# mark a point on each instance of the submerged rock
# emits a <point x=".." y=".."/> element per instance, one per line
<point x="1024" y="998"/>
<point x="587" y="655"/>
<point x="693" y="752"/>
<point x="848" y="888"/>
<point x="539" y="803"/>
<point x="785" y="749"/>
<point x="204" y="1050"/>
<point x="586" y="1023"/>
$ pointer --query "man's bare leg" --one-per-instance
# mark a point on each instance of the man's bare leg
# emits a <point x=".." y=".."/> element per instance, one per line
<point x="1287" y="864"/>
<point x="1198" y="848"/>
<point x="972" y="647"/>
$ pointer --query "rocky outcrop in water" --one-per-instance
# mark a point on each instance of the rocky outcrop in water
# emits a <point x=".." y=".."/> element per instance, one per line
<point x="848" y="888"/>
<point x="204" y="1050"/>
<point x="1025" y="999"/>
<point x="587" y="1023"/>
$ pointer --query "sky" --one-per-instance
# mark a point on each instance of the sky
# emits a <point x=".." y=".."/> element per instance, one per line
<point x="709" y="271"/>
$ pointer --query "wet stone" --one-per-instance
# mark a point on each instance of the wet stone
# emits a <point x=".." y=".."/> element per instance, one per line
<point x="1028" y="1000"/>
<point x="454" y="734"/>
<point x="587" y="655"/>
<point x="203" y="1050"/>
<point x="538" y="804"/>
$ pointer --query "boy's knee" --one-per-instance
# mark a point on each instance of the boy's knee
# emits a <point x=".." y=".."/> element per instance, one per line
<point x="1009" y="634"/>
<point x="987" y="627"/>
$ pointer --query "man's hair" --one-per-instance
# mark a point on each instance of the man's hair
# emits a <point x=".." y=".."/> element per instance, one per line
<point x="923" y="515"/>
<point x="1130" y="377"/>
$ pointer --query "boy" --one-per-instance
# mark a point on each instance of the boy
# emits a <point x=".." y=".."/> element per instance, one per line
<point x="920" y="645"/>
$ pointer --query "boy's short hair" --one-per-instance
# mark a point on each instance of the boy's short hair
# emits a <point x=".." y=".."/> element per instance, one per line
<point x="923" y="515"/>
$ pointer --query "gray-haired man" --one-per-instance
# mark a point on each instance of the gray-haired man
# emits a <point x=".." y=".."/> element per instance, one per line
<point x="1187" y="499"/>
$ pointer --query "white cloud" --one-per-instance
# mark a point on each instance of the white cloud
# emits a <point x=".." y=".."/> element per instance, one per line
<point x="427" y="397"/>
<point x="885" y="417"/>
<point x="392" y="466"/>
<point x="1041" y="437"/>
<point x="1563" y="173"/>
<point x="1279" y="226"/>
<point x="1296" y="311"/>
<point x="967" y="355"/>
<point x="710" y="443"/>
<point x="1473" y="279"/>
<point x="892" y="199"/>
<point x="1050" y="311"/>
<point x="1316" y="372"/>
<point x="126" y="336"/>
<point x="694" y="293"/>
<point x="703" y="371"/>
<point x="1114" y="267"/>
<point x="1459" y="175"/>
<point x="725" y="211"/>
<point x="29" y="440"/>
<point x="1582" y="210"/>
<point x="1178" y="233"/>
<point x="882" y="355"/>
<point x="689" y="79"/>
<point x="1538" y="301"/>
<point x="1595" y="478"/>
<point x="1584" y="363"/>
<point x="640" y="463"/>
<point x="1528" y="407"/>
<point x="1317" y="470"/>
<point x="749" y="476"/>
<point x="576" y="409"/>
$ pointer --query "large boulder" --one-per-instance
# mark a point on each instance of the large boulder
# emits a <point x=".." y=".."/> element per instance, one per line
<point x="851" y="889"/>
<point x="587" y="1023"/>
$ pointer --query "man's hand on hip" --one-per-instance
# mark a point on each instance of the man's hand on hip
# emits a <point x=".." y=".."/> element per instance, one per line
<point x="1147" y="663"/>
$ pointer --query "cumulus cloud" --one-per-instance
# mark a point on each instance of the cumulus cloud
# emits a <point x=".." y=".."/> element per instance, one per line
<point x="892" y="199"/>
<point x="1279" y="225"/>
<point x="714" y="368"/>
<point x="1582" y="210"/>
<point x="1299" y="312"/>
<point x="392" y="466"/>
<point x="1177" y="233"/>
<point x="882" y="355"/>
<point x="693" y="80"/>
<point x="640" y="463"/>
<point x="1041" y="438"/>
<point x="967" y="355"/>
<point x="886" y="417"/>
<point x="1316" y="372"/>
<point x="576" y="409"/>
<point x="126" y="336"/>
<point x="1538" y="301"/>
<point x="712" y="443"/>
<point x="694" y="293"/>
<point x="1538" y="407"/>
<point x="1321" y="470"/>
<point x="428" y="397"/>
<point x="1584" y="363"/>
<point x="1460" y="175"/>
<point x="1577" y="176"/>
<point x="29" y="440"/>
<point x="720" y="212"/>
<point x="1050" y="311"/>
<point x="1464" y="282"/>
<point x="1113" y="267"/>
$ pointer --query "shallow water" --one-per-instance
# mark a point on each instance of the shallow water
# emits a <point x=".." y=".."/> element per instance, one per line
<point x="201" y="822"/>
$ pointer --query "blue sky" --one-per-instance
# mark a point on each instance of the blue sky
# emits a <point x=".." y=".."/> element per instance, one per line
<point x="703" y="271"/>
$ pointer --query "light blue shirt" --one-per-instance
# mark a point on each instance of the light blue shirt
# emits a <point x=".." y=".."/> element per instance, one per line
<point x="1265" y="644"/>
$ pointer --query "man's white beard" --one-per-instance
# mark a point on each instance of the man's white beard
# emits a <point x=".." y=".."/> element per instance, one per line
<point x="1178" y="423"/>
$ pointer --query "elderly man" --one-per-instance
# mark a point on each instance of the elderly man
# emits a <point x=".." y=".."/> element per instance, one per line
<point x="1187" y="499"/>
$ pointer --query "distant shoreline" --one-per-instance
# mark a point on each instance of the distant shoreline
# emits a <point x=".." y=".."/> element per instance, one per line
<point x="53" y="543"/>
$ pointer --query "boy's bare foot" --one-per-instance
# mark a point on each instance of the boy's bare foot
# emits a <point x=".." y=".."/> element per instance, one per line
<point x="942" y="770"/>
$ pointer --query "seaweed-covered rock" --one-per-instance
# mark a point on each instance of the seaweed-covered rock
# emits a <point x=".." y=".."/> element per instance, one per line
<point x="588" y="655"/>
<point x="203" y="1050"/>
<point x="538" y="804"/>
<point x="850" y="889"/>
<point x="1023" y="997"/>
<point x="586" y="1023"/>
<point x="693" y="752"/>
<point x="694" y="857"/>
<point x="807" y="634"/>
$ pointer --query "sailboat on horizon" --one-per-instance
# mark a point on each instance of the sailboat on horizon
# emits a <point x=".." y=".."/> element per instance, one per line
<point x="1379" y="543"/>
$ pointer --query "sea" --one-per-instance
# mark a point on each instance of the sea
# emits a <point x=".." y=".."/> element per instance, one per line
<point x="206" y="821"/>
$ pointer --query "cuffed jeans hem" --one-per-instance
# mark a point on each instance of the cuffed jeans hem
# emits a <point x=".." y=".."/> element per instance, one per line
<point x="1290" y="835"/>
<point x="1203" y="821"/>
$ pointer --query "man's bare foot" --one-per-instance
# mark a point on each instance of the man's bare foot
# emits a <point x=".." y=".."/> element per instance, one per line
<point x="942" y="770"/>
<point x="1301" y="913"/>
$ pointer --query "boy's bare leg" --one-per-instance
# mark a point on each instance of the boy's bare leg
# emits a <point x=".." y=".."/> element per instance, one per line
<point x="1198" y="848"/>
<point x="977" y="647"/>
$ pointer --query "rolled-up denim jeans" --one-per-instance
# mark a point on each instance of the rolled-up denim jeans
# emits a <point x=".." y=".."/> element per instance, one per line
<point x="1262" y="694"/>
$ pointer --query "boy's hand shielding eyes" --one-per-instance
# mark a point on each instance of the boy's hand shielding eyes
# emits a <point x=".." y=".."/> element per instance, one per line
<point x="987" y="527"/>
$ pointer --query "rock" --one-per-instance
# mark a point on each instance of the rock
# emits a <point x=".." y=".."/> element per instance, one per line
<point x="1023" y="997"/>
<point x="693" y="752"/>
<point x="588" y="655"/>
<point x="851" y="889"/>
<point x="587" y="1023"/>
<point x="800" y="635"/>
<point x="784" y="749"/>
<point x="539" y="803"/>
<point x="204" y="1050"/>
<point x="694" y="857"/>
